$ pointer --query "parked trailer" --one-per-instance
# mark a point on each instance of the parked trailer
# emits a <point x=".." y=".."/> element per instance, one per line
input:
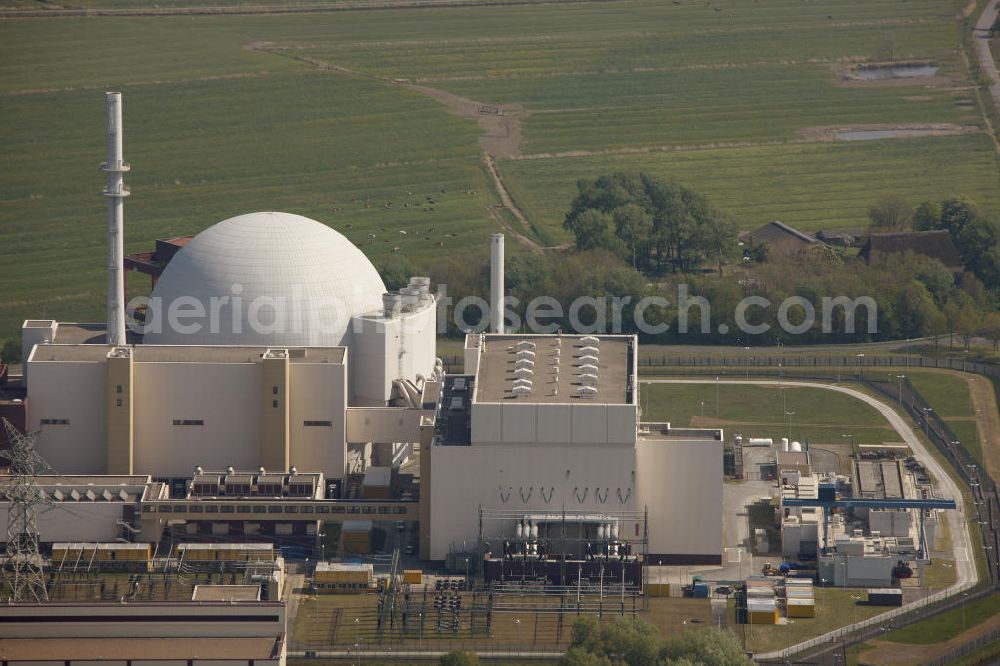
<point x="888" y="596"/>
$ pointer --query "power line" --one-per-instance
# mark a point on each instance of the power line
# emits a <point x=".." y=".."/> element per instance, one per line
<point x="22" y="561"/>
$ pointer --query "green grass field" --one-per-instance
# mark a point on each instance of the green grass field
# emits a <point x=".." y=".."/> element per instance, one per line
<point x="947" y="394"/>
<point x="757" y="411"/>
<point x="223" y="116"/>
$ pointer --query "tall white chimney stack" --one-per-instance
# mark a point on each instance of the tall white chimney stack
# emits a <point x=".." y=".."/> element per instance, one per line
<point x="496" y="283"/>
<point x="116" y="193"/>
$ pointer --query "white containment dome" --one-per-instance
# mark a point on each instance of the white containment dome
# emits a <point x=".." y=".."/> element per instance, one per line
<point x="272" y="279"/>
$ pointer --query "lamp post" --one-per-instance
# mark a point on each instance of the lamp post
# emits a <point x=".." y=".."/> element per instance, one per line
<point x="357" y="642"/>
<point x="789" y="415"/>
<point x="702" y="414"/>
<point x="845" y="436"/>
<point x="927" y="412"/>
<point x="900" y="378"/>
<point x="859" y="357"/>
<point x="716" y="395"/>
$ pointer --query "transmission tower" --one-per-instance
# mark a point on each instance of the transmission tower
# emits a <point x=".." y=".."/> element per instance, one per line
<point x="23" y="563"/>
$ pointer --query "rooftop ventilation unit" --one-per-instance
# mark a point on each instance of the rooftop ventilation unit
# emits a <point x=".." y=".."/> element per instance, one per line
<point x="587" y="367"/>
<point x="122" y="495"/>
<point x="586" y="391"/>
<point x="525" y="344"/>
<point x="590" y="350"/>
<point x="589" y="358"/>
<point x="91" y="496"/>
<point x="588" y="378"/>
<point x="524" y="363"/>
<point x="523" y="382"/>
<point x="524" y="372"/>
<point x="106" y="494"/>
<point x="74" y="495"/>
<point x="525" y="353"/>
<point x="520" y="391"/>
<point x="590" y="340"/>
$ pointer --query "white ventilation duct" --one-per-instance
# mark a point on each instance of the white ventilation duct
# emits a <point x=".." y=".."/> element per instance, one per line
<point x="590" y="340"/>
<point x="590" y="350"/>
<point x="588" y="359"/>
<point x="587" y="367"/>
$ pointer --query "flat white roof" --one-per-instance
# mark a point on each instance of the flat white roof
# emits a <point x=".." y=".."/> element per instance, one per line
<point x="558" y="366"/>
<point x="79" y="545"/>
<point x="344" y="566"/>
<point x="225" y="546"/>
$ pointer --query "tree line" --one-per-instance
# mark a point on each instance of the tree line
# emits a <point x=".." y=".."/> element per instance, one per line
<point x="628" y="224"/>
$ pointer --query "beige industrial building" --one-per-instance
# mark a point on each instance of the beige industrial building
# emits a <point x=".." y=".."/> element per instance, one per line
<point x="573" y="442"/>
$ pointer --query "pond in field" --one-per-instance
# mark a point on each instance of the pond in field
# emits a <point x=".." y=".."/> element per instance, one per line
<point x="880" y="72"/>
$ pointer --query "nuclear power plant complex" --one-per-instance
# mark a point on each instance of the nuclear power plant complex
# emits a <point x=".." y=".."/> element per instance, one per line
<point x="271" y="355"/>
<point x="272" y="423"/>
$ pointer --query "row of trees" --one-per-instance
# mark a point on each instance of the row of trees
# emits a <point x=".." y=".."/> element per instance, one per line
<point x="631" y="227"/>
<point x="915" y="296"/>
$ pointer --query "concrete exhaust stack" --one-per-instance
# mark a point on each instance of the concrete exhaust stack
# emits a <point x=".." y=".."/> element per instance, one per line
<point x="496" y="284"/>
<point x="116" y="192"/>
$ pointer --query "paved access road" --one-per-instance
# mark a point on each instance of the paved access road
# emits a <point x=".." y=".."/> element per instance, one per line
<point x="982" y="47"/>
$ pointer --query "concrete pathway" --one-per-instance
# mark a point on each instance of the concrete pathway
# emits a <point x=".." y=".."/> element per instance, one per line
<point x="982" y="48"/>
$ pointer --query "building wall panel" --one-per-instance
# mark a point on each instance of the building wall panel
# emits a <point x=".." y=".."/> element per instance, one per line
<point x="224" y="396"/>
<point x="73" y="391"/>
<point x="317" y="393"/>
<point x="590" y="423"/>
<point x="681" y="483"/>
<point x="554" y="424"/>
